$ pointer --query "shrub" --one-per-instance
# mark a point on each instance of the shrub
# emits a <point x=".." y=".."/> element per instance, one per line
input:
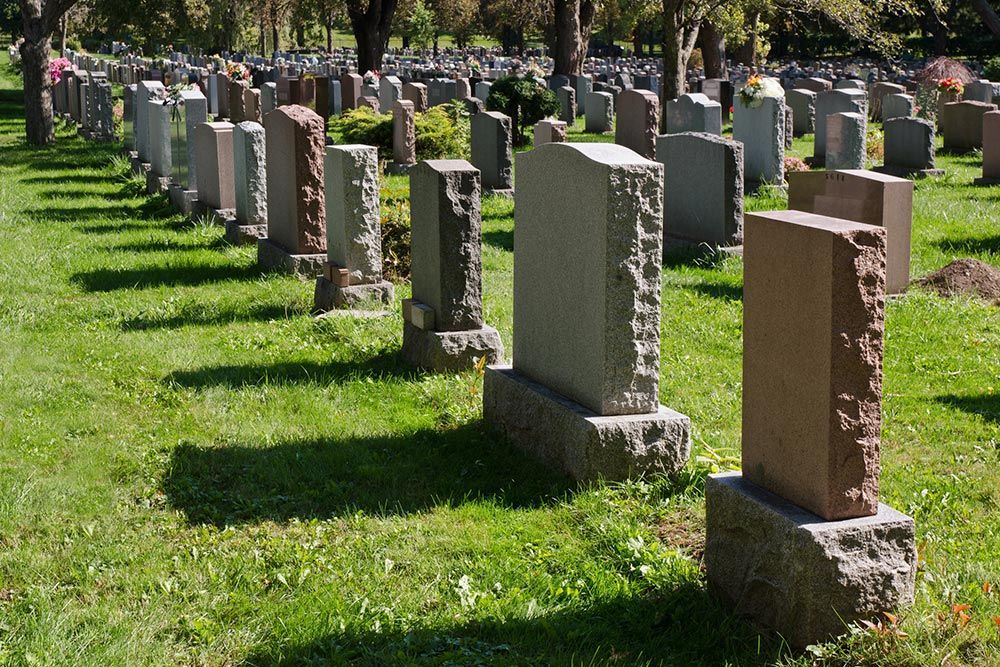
<point x="523" y="99"/>
<point x="991" y="70"/>
<point x="441" y="131"/>
<point x="395" y="214"/>
<point x="793" y="164"/>
<point x="874" y="145"/>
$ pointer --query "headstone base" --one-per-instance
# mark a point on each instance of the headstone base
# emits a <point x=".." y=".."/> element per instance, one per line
<point x="795" y="573"/>
<point x="986" y="181"/>
<point x="903" y="172"/>
<point x="140" y="168"/>
<point x="507" y="193"/>
<point x="185" y="201"/>
<point x="580" y="443"/>
<point x="272" y="257"/>
<point x="156" y="184"/>
<point x="450" y="350"/>
<point x="220" y="217"/>
<point x="238" y="234"/>
<point x="330" y="296"/>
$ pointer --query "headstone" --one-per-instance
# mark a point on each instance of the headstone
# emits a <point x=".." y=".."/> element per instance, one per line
<point x="443" y="326"/>
<point x="549" y="131"/>
<point x="862" y="196"/>
<point x="638" y="119"/>
<point x="814" y="84"/>
<point x="237" y="101"/>
<point x="978" y="91"/>
<point x="368" y="102"/>
<point x="404" y="136"/>
<point x="390" y="89"/>
<point x="846" y="135"/>
<point x="830" y="102"/>
<point x="991" y="149"/>
<point x="761" y="130"/>
<point x="214" y="159"/>
<point x="128" y="116"/>
<point x="909" y="147"/>
<point x="158" y="179"/>
<point x="702" y="188"/>
<point x="583" y="392"/>
<point x="268" y="98"/>
<point x="855" y="84"/>
<point x="897" y="105"/>
<point x="721" y="91"/>
<point x="350" y="90"/>
<point x="222" y="85"/>
<point x="802" y="102"/>
<point x="352" y="274"/>
<point x="693" y="112"/>
<point x="567" y="104"/>
<point x="145" y="91"/>
<point x="492" y="150"/>
<point x="482" y="90"/>
<point x="600" y="112"/>
<point x="104" y="126"/>
<point x="250" y="180"/>
<point x="584" y="85"/>
<point x="877" y="96"/>
<point x="799" y="541"/>
<point x="962" y="125"/>
<point x="416" y="93"/>
<point x="335" y="101"/>
<point x="296" y="211"/>
<point x="190" y="111"/>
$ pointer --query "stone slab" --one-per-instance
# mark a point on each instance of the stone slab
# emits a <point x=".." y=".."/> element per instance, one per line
<point x="577" y="441"/>
<point x="273" y="257"/>
<point x="329" y="295"/>
<point x="238" y="234"/>
<point x="450" y="351"/>
<point x="795" y="573"/>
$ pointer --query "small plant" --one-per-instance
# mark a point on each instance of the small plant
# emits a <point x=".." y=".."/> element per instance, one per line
<point x="793" y="164"/>
<point x="56" y="68"/>
<point x="991" y="69"/>
<point x="441" y="131"/>
<point x="874" y="145"/>
<point x="395" y="213"/>
<point x="524" y="100"/>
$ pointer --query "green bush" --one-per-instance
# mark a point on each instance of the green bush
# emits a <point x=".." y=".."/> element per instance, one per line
<point x="395" y="214"/>
<point x="442" y="131"/>
<point x="991" y="70"/>
<point x="523" y="99"/>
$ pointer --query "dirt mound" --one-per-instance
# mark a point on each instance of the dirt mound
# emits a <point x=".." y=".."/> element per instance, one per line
<point x="965" y="276"/>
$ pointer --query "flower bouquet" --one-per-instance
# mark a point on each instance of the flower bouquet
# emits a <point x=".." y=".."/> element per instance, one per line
<point x="56" y="68"/>
<point x="950" y="86"/>
<point x="237" y="72"/>
<point x="758" y="88"/>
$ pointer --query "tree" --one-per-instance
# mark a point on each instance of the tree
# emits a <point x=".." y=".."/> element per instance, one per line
<point x="524" y="100"/>
<point x="509" y="21"/>
<point x="989" y="16"/>
<point x="418" y="26"/>
<point x="573" y="21"/>
<point x="459" y="18"/>
<point x="371" y="23"/>
<point x="40" y="18"/>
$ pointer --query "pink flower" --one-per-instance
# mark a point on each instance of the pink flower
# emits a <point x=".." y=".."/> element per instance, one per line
<point x="56" y="68"/>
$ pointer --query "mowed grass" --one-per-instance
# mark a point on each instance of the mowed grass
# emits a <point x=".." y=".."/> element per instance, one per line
<point x="193" y="470"/>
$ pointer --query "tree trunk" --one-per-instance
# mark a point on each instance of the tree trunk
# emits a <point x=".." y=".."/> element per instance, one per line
<point x="300" y="35"/>
<point x="63" y="31"/>
<point x="747" y="52"/>
<point x="275" y="38"/>
<point x="637" y="42"/>
<point x="329" y="38"/>
<point x="988" y="15"/>
<point x="38" y="125"/>
<point x="588" y="11"/>
<point x="371" y="26"/>
<point x="263" y="40"/>
<point x="567" y="44"/>
<point x="713" y="51"/>
<point x="679" y="37"/>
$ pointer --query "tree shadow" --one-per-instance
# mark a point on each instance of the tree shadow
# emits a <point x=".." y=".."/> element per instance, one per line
<point x="124" y="226"/>
<point x="234" y="376"/>
<point x="701" y="256"/>
<point x="723" y="291"/>
<point x="321" y="478"/>
<point x="982" y="246"/>
<point x="78" y="213"/>
<point x="985" y="405"/>
<point x="680" y="625"/>
<point x="500" y="239"/>
<point x="163" y="245"/>
<point x="201" y="317"/>
<point x="109" y="280"/>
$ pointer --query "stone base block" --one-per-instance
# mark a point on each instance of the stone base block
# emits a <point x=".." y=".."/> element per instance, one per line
<point x="238" y="234"/>
<point x="903" y="172"/>
<point x="273" y="257"/>
<point x="580" y="443"/>
<point x="986" y="181"/>
<point x="184" y="201"/>
<point x="450" y="350"/>
<point x="219" y="217"/>
<point x="330" y="296"/>
<point x="139" y="167"/>
<point x="508" y="193"/>
<point x="795" y="573"/>
<point x="155" y="184"/>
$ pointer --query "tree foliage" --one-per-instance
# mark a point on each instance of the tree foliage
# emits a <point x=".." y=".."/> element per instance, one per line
<point x="523" y="99"/>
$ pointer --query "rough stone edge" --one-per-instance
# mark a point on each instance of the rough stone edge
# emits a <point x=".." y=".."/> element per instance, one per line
<point x="808" y="618"/>
<point x="238" y="234"/>
<point x="272" y="257"/>
<point x="450" y="350"/>
<point x="329" y="296"/>
<point x="575" y="440"/>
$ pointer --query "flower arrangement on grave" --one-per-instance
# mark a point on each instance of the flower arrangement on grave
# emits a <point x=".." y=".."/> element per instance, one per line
<point x="237" y="72"/>
<point x="474" y="66"/>
<point x="950" y="86"/>
<point x="56" y="68"/>
<point x="371" y="77"/>
<point x="758" y="88"/>
<point x="534" y="69"/>
<point x="174" y="92"/>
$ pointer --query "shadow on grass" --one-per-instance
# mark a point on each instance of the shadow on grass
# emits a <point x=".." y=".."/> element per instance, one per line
<point x="108" y="280"/>
<point x="985" y="405"/>
<point x="679" y="625"/>
<point x="233" y="376"/>
<point x="197" y="317"/>
<point x="502" y="240"/>
<point x="698" y="256"/>
<point x="386" y="475"/>
<point x="981" y="246"/>
<point x="154" y="246"/>
<point x="722" y="291"/>
<point x="78" y="213"/>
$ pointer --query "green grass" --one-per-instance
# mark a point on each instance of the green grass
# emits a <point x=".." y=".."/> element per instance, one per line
<point x="195" y="471"/>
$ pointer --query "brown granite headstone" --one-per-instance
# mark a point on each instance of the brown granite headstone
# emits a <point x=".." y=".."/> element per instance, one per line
<point x="962" y="125"/>
<point x="862" y="196"/>
<point x="638" y="119"/>
<point x="416" y="93"/>
<point x="214" y="159"/>
<point x="813" y="303"/>
<point x="404" y="137"/>
<point x="296" y="209"/>
<point x="991" y="147"/>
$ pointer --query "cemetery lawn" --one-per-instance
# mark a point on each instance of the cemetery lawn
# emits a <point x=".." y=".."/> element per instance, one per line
<point x="193" y="470"/>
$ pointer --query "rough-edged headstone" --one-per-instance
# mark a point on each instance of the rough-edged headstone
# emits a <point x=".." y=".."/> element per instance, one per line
<point x="909" y="147"/>
<point x="847" y="100"/>
<point x="492" y="150"/>
<point x="250" y="179"/>
<point x="638" y="114"/>
<point x="702" y="188"/>
<point x="600" y="116"/>
<point x="583" y="390"/>
<point x="404" y="136"/>
<point x="897" y="105"/>
<point x="846" y="141"/>
<point x="268" y="97"/>
<point x="549" y="131"/>
<point x="567" y="104"/>
<point x="761" y="130"/>
<point x="443" y="326"/>
<point x="693" y="112"/>
<point x="390" y="89"/>
<point x="962" y="125"/>
<point x="802" y="102"/>
<point x="416" y="93"/>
